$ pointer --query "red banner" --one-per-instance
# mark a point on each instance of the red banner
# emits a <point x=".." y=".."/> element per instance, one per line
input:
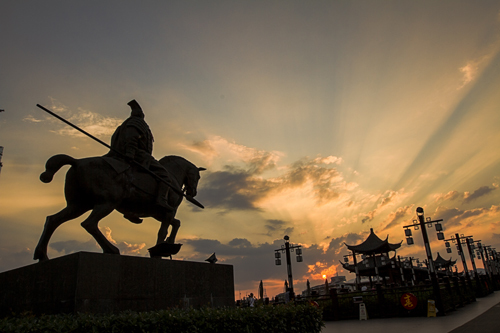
<point x="409" y="301"/>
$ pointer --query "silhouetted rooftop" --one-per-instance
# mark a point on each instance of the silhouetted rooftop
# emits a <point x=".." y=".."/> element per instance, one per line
<point x="373" y="244"/>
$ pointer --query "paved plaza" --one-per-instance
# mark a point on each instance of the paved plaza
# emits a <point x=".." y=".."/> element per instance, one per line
<point x="481" y="316"/>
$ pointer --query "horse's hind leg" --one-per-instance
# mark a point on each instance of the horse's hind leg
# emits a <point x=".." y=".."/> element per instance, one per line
<point x="51" y="223"/>
<point x="91" y="225"/>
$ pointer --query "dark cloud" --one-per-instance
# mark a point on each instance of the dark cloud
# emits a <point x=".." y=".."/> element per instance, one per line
<point x="203" y="147"/>
<point x="326" y="181"/>
<point x="11" y="258"/>
<point x="263" y="162"/>
<point x="230" y="189"/>
<point x="255" y="262"/>
<point x="396" y="217"/>
<point x="240" y="189"/>
<point x="240" y="242"/>
<point x="482" y="191"/>
<point x="338" y="244"/>
<point x="368" y="216"/>
<point x="452" y="195"/>
<point x="251" y="262"/>
<point x="455" y="216"/>
<point x="71" y="246"/>
<point x="275" y="227"/>
<point x="448" y="214"/>
<point x="388" y="199"/>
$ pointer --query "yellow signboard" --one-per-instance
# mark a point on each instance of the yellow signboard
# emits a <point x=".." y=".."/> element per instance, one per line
<point x="431" y="308"/>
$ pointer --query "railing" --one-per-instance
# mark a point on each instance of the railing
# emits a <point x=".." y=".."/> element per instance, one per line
<point x="385" y="301"/>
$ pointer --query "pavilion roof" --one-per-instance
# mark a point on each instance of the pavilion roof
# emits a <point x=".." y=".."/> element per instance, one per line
<point x="441" y="262"/>
<point x="373" y="244"/>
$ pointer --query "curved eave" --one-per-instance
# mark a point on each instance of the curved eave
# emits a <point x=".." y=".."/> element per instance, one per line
<point x="373" y="244"/>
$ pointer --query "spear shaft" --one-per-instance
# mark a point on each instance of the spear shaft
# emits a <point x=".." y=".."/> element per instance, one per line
<point x="179" y="192"/>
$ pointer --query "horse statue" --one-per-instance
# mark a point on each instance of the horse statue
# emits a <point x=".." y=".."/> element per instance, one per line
<point x="103" y="184"/>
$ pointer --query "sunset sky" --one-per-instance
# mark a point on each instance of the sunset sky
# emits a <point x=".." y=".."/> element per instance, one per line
<point x="318" y="120"/>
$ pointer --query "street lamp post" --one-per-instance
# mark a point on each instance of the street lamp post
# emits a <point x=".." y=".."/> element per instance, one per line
<point x="462" y="240"/>
<point x="409" y="262"/>
<point x="432" y="270"/>
<point x="470" y="246"/>
<point x="287" y="248"/>
<point x="401" y="270"/>
<point x="483" y="259"/>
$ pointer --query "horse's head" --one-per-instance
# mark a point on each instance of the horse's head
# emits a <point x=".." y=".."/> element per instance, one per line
<point x="184" y="172"/>
<point x="191" y="180"/>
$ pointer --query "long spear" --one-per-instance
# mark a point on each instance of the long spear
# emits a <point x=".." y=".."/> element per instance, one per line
<point x="179" y="192"/>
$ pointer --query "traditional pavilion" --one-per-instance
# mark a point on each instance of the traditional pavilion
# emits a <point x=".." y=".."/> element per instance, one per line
<point x="443" y="266"/>
<point x="376" y="261"/>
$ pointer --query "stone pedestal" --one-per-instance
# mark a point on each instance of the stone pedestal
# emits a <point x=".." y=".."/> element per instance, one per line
<point x="101" y="283"/>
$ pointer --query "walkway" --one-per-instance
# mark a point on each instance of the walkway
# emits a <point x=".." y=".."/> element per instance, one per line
<point x="481" y="316"/>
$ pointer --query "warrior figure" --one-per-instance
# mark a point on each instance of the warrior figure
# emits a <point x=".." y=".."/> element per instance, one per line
<point x="134" y="140"/>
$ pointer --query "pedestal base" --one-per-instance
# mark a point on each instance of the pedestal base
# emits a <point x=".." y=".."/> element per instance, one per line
<point x="100" y="283"/>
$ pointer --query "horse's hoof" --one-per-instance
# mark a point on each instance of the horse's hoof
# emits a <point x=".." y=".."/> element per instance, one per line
<point x="40" y="257"/>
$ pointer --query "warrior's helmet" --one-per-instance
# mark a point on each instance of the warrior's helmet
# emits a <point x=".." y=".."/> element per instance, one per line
<point x="136" y="109"/>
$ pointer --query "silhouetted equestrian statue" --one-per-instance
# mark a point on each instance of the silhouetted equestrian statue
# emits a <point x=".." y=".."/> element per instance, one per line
<point x="127" y="179"/>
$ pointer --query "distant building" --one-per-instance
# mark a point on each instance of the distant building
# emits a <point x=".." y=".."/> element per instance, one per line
<point x="336" y="282"/>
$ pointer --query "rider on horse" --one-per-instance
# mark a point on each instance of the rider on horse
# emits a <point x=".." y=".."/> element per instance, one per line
<point x="134" y="140"/>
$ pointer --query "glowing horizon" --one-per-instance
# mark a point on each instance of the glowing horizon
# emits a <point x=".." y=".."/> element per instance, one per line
<point x="316" y="121"/>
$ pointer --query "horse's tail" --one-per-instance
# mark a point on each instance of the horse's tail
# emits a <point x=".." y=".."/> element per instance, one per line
<point x="54" y="164"/>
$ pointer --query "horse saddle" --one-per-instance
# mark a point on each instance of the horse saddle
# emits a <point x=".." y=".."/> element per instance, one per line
<point x="139" y="179"/>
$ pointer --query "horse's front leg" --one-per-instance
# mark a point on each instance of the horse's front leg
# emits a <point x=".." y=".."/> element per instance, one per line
<point x="175" y="227"/>
<point x="162" y="233"/>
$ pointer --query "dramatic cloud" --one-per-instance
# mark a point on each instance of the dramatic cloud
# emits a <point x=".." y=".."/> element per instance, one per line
<point x="368" y="216"/>
<point x="451" y="195"/>
<point x="338" y="244"/>
<point x="231" y="189"/>
<point x="389" y="198"/>
<point x="482" y="191"/>
<point x="91" y="122"/>
<point x="465" y="218"/>
<point x="237" y="188"/>
<point x="202" y="147"/>
<point x="124" y="247"/>
<point x="31" y="119"/>
<point x="255" y="161"/>
<point x="278" y="227"/>
<point x="397" y="216"/>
